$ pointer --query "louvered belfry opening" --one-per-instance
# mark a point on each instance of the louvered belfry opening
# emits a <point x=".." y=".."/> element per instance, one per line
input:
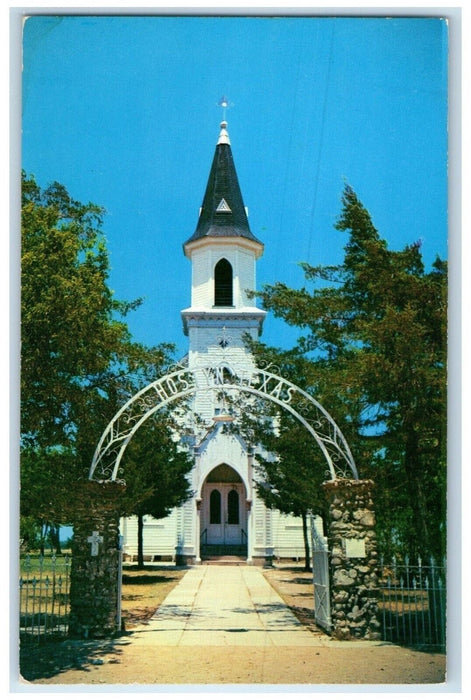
<point x="223" y="293"/>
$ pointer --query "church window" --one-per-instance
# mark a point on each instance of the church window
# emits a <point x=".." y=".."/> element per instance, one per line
<point x="215" y="507"/>
<point x="233" y="507"/>
<point x="223" y="283"/>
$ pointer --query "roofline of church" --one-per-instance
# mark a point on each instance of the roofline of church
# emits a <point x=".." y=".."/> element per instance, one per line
<point x="246" y="315"/>
<point x="251" y="244"/>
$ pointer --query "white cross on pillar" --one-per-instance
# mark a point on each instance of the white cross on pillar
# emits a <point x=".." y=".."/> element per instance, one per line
<point x="95" y="539"/>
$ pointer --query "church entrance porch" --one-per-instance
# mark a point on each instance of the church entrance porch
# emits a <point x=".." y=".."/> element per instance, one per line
<point x="223" y="523"/>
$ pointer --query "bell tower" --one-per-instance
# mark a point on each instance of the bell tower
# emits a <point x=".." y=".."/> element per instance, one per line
<point x="223" y="253"/>
<point x="225" y="516"/>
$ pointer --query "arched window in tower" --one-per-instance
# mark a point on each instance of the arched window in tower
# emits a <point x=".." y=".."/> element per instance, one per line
<point x="223" y="283"/>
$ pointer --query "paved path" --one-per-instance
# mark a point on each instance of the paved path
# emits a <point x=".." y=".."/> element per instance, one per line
<point x="225" y="606"/>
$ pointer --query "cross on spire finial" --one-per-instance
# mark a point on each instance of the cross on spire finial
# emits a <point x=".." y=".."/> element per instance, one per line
<point x="223" y="135"/>
<point x="224" y="103"/>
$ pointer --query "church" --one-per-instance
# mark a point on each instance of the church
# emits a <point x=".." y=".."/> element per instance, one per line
<point x="225" y="518"/>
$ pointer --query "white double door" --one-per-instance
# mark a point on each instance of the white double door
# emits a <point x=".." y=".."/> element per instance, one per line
<point x="224" y="514"/>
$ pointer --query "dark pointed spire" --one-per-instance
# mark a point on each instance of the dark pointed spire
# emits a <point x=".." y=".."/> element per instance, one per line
<point x="222" y="212"/>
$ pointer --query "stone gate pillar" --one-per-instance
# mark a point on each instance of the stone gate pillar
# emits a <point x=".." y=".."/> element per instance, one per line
<point x="353" y="560"/>
<point x="95" y="561"/>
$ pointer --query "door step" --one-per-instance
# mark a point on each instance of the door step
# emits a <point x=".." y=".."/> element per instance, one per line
<point x="224" y="560"/>
<point x="223" y="550"/>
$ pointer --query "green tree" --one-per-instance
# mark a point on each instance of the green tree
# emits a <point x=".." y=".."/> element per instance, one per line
<point x="68" y="326"/>
<point x="78" y="360"/>
<point x="290" y="472"/>
<point x="30" y="534"/>
<point x="376" y="325"/>
<point x="48" y="476"/>
<point x="156" y="468"/>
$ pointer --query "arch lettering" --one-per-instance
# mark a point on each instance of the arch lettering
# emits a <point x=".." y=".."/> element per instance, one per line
<point x="185" y="382"/>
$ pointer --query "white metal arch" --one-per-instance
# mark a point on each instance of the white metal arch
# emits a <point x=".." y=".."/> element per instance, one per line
<point x="256" y="381"/>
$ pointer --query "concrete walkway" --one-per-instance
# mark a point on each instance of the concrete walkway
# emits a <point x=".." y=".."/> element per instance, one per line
<point x="224" y="606"/>
<point x="230" y="606"/>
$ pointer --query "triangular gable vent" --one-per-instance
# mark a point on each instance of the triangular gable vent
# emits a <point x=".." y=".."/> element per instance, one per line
<point x="223" y="206"/>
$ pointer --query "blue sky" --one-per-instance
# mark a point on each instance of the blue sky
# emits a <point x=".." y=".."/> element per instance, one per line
<point x="123" y="111"/>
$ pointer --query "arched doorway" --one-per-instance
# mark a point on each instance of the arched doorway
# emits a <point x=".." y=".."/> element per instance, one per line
<point x="223" y="513"/>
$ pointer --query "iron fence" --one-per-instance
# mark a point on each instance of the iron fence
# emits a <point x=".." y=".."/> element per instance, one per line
<point x="412" y="603"/>
<point x="44" y="594"/>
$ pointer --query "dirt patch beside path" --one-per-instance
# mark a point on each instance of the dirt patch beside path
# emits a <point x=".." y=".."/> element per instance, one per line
<point x="145" y="589"/>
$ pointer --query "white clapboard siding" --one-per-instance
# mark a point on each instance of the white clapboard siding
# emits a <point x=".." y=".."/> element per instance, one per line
<point x="287" y="534"/>
<point x="271" y="528"/>
<point x="159" y="538"/>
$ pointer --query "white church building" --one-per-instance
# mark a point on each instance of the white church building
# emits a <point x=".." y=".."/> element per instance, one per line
<point x="225" y="517"/>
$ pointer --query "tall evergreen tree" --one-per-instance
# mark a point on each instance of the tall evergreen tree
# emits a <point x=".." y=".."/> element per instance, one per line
<point x="290" y="473"/>
<point x="156" y="467"/>
<point x="376" y="325"/>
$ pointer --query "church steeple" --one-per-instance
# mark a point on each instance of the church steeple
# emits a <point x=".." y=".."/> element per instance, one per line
<point x="222" y="213"/>
<point x="223" y="253"/>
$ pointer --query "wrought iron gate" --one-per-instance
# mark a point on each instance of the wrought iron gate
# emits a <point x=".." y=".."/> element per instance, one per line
<point x="44" y="594"/>
<point x="320" y="573"/>
<point x="412" y="602"/>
